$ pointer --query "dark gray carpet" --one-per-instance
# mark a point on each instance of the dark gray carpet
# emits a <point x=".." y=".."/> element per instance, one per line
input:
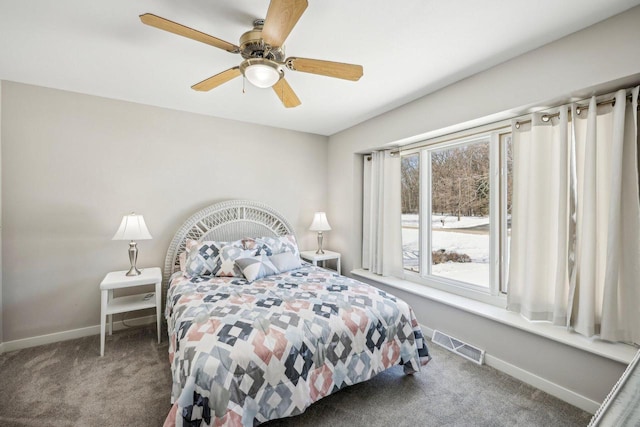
<point x="68" y="384"/>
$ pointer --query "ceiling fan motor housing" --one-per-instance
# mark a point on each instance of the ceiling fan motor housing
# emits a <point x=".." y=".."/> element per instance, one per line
<point x="253" y="46"/>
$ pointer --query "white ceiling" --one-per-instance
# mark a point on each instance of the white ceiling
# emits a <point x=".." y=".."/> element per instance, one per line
<point x="408" y="49"/>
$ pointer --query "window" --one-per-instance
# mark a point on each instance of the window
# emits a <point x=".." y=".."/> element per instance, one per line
<point x="456" y="205"/>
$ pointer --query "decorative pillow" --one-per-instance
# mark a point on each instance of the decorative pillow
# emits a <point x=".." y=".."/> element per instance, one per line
<point x="256" y="267"/>
<point x="289" y="244"/>
<point x="203" y="258"/>
<point x="272" y="245"/>
<point x="285" y="261"/>
<point x="258" y="246"/>
<point x="227" y="261"/>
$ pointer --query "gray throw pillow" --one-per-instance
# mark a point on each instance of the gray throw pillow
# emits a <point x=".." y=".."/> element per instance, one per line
<point x="285" y="261"/>
<point x="256" y="267"/>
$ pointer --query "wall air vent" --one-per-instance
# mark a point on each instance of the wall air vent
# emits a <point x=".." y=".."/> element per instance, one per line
<point x="463" y="349"/>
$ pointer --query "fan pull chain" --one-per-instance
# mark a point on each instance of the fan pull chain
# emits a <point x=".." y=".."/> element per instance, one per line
<point x="244" y="79"/>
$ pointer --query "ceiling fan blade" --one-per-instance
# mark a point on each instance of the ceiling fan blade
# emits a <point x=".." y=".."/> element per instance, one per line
<point x="217" y="80"/>
<point x="282" y="16"/>
<point x="181" y="30"/>
<point x="339" y="70"/>
<point x="286" y="94"/>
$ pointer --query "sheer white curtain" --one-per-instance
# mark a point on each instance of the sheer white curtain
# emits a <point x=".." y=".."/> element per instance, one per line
<point x="575" y="240"/>
<point x="382" y="239"/>
<point x="540" y="223"/>
<point x="605" y="285"/>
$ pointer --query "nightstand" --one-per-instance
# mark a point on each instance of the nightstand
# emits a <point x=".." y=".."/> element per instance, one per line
<point x="119" y="280"/>
<point x="313" y="257"/>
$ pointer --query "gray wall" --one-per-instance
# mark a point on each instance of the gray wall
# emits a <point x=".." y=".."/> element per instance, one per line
<point x="73" y="164"/>
<point x="600" y="57"/>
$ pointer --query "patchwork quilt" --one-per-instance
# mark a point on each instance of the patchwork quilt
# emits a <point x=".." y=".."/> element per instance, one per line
<point x="244" y="353"/>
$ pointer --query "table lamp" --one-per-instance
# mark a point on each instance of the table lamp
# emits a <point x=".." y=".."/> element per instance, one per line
<point x="320" y="224"/>
<point x="132" y="228"/>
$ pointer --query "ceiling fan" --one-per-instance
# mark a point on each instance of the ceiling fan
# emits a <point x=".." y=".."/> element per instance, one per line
<point x="263" y="53"/>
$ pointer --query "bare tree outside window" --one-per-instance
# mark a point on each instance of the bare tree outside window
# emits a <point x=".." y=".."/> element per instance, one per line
<point x="460" y="217"/>
<point x="410" y="184"/>
<point x="460" y="181"/>
<point x="410" y="173"/>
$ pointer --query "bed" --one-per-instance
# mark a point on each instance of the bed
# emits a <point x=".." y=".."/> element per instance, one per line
<point x="262" y="335"/>
<point x="622" y="405"/>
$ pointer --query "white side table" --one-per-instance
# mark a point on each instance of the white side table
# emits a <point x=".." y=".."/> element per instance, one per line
<point x="313" y="257"/>
<point x="119" y="280"/>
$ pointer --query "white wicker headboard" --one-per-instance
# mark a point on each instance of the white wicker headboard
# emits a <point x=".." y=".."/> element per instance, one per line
<point x="225" y="221"/>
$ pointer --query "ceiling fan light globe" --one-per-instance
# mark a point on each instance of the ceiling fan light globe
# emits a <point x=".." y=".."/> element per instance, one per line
<point x="260" y="72"/>
<point x="261" y="75"/>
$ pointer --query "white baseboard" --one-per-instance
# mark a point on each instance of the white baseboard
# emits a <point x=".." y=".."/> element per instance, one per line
<point x="72" y="334"/>
<point x="562" y="393"/>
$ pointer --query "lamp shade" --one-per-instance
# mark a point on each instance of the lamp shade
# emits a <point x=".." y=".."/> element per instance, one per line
<point x="320" y="222"/>
<point x="132" y="227"/>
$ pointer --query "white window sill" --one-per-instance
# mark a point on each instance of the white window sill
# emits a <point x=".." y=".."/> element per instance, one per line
<point x="619" y="352"/>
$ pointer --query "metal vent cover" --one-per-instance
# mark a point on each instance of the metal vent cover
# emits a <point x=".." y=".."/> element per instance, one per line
<point x="454" y="345"/>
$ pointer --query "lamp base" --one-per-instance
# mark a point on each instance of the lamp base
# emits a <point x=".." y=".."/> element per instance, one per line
<point x="319" y="251"/>
<point x="133" y="257"/>
<point x="133" y="271"/>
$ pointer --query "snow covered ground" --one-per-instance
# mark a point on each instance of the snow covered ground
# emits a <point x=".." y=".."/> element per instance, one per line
<point x="474" y="241"/>
<point x="411" y="220"/>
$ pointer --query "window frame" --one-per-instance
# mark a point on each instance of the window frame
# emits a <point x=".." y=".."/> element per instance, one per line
<point x="504" y="227"/>
<point x="497" y="214"/>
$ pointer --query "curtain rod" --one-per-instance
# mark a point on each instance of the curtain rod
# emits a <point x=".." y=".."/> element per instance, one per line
<point x="393" y="153"/>
<point x="546" y="117"/>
